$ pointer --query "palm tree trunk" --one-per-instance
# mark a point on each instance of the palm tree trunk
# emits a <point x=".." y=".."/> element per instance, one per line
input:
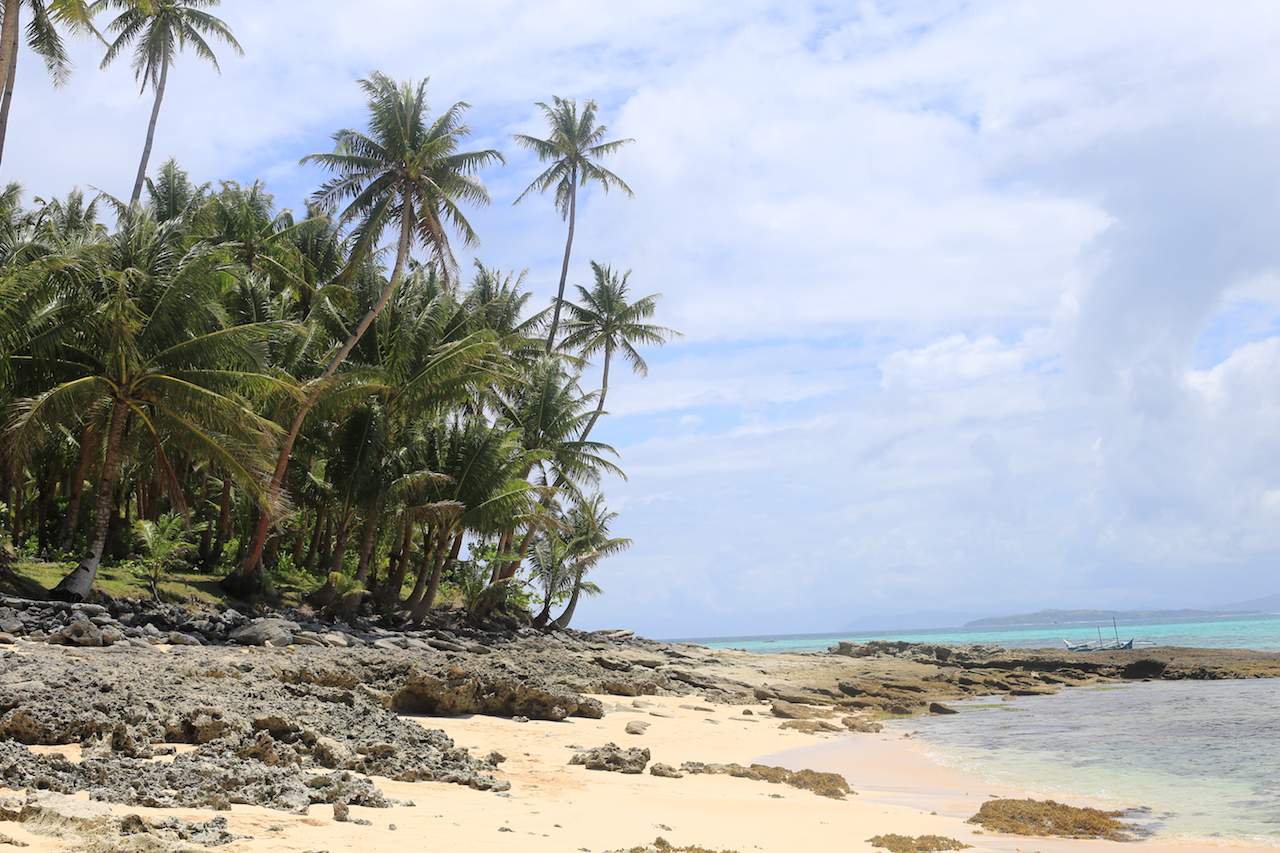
<point x="316" y="532"/>
<point x="604" y="390"/>
<point x="75" y="489"/>
<point x="564" y="266"/>
<point x="389" y="592"/>
<point x="8" y="64"/>
<point x="423" y="607"/>
<point x="431" y="558"/>
<point x="367" y="541"/>
<point x="77" y="584"/>
<point x="247" y="578"/>
<point x="504" y="543"/>
<point x="151" y="134"/>
<point x="514" y="566"/>
<point x="224" y="522"/>
<point x="567" y="616"/>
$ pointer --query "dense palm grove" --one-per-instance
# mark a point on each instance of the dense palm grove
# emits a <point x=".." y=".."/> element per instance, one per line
<point x="199" y="379"/>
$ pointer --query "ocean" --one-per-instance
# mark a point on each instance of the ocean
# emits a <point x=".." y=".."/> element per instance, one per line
<point x="1242" y="632"/>
<point x="1203" y="756"/>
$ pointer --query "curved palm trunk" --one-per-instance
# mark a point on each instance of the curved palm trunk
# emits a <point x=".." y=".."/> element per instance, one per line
<point x="567" y="616"/>
<point x="76" y="585"/>
<point x="544" y="616"/>
<point x="246" y="580"/>
<point x="9" y="64"/>
<point x="604" y="391"/>
<point x="564" y="266"/>
<point x="423" y="607"/>
<point x="151" y="134"/>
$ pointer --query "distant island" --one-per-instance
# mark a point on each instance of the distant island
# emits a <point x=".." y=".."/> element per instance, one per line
<point x="1268" y="604"/>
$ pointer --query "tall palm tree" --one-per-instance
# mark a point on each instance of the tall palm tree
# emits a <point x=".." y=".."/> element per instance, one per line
<point x="606" y="322"/>
<point x="43" y="39"/>
<point x="158" y="30"/>
<point x="406" y="172"/>
<point x="148" y="357"/>
<point x="572" y="148"/>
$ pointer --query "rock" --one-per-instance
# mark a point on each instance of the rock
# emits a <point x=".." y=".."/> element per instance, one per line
<point x="341" y="812"/>
<point x="77" y="633"/>
<point x="665" y="771"/>
<point x="939" y="708"/>
<point x="495" y="758"/>
<point x="613" y="758"/>
<point x="824" y="784"/>
<point x="793" y="711"/>
<point x="460" y="691"/>
<point x="7" y="639"/>
<point x="637" y="727"/>
<point x="177" y="638"/>
<point x="264" y="632"/>
<point x="810" y="727"/>
<point x="865" y="725"/>
<point x="331" y="753"/>
<point x="112" y="635"/>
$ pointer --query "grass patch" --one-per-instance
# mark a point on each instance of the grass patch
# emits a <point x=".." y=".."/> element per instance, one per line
<point x="917" y="844"/>
<point x="122" y="581"/>
<point x="1043" y="818"/>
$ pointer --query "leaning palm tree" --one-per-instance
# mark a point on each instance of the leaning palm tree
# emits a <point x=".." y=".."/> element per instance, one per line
<point x="588" y="522"/>
<point x="605" y="322"/>
<point x="573" y="148"/>
<point x="147" y="357"/>
<point x="158" y="30"/>
<point x="407" y="173"/>
<point x="43" y="39"/>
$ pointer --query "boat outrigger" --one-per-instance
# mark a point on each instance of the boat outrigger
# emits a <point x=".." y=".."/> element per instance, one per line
<point x="1101" y="645"/>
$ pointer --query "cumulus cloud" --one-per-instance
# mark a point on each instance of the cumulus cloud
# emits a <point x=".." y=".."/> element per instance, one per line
<point x="981" y="303"/>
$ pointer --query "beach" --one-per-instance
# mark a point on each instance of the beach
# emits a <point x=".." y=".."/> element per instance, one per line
<point x="556" y="807"/>
<point x="312" y="736"/>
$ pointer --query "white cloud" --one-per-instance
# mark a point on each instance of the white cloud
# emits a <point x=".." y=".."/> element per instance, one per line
<point x="980" y="302"/>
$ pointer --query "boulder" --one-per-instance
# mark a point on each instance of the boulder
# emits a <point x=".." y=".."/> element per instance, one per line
<point x="637" y="727"/>
<point x="665" y="771"/>
<point x="264" y="632"/>
<point x="613" y="758"/>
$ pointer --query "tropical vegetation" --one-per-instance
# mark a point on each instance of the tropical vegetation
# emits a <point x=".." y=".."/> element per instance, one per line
<point x="198" y="380"/>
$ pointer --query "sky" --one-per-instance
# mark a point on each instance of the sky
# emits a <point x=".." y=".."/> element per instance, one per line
<point x="980" y="301"/>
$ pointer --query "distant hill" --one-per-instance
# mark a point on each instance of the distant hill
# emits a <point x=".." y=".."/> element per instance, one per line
<point x="1096" y="617"/>
<point x="1266" y="604"/>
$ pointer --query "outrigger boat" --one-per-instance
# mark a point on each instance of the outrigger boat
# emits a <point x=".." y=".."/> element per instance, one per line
<point x="1101" y="645"/>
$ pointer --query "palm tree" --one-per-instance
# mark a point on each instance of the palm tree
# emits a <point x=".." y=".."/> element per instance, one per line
<point x="159" y="29"/>
<point x="147" y="356"/>
<point x="573" y="148"/>
<point x="588" y="523"/>
<point x="406" y="172"/>
<point x="606" y="322"/>
<point x="43" y="39"/>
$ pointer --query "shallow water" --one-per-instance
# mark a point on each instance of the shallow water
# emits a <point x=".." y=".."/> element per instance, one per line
<point x="1203" y="756"/>
<point x="1253" y="632"/>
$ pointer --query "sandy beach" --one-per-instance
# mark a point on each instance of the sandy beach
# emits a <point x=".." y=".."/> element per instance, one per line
<point x="552" y="806"/>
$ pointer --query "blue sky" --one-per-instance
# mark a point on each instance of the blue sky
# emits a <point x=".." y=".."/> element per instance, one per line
<point x="980" y="301"/>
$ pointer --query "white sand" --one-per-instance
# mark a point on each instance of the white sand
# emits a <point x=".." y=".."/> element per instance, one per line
<point x="555" y="807"/>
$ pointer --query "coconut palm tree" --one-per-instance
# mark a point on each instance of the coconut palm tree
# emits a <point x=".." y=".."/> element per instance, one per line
<point x="147" y="357"/>
<point x="573" y="148"/>
<point x="605" y="322"/>
<point x="588" y="523"/>
<point x="407" y="173"/>
<point x="43" y="39"/>
<point x="158" y="30"/>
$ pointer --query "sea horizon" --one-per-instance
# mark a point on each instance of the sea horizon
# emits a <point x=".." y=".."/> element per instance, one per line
<point x="1257" y="631"/>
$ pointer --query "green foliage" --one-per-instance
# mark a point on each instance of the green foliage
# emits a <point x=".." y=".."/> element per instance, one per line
<point x="166" y="544"/>
<point x="158" y="360"/>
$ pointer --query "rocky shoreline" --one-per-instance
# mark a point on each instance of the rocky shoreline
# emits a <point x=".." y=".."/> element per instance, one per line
<point x="165" y="707"/>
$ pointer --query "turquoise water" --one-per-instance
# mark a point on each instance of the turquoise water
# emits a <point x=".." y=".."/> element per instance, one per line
<point x="1251" y="632"/>
<point x="1204" y="757"/>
